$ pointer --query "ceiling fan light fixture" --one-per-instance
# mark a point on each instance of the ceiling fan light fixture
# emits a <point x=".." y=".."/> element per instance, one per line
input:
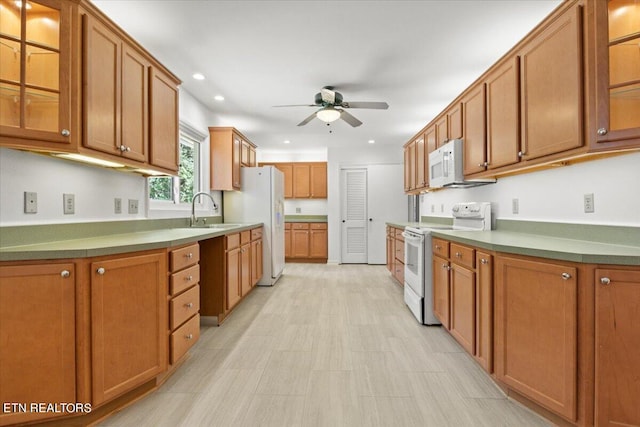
<point x="328" y="114"/>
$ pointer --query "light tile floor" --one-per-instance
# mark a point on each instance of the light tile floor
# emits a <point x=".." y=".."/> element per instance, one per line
<point x="328" y="345"/>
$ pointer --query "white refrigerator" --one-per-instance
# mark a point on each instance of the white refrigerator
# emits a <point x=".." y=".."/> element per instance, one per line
<point x="261" y="200"/>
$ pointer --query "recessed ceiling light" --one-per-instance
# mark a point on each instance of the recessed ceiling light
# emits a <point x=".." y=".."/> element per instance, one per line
<point x="371" y="141"/>
<point x="287" y="141"/>
<point x="198" y="76"/>
<point x="219" y="98"/>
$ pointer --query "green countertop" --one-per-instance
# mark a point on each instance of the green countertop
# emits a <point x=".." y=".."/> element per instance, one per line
<point x="558" y="246"/>
<point x="116" y="243"/>
<point x="305" y="218"/>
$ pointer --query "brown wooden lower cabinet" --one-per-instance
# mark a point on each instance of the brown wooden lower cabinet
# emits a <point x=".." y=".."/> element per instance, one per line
<point x="536" y="331"/>
<point x="306" y="242"/>
<point x="128" y="322"/>
<point x="37" y="335"/>
<point x="617" y="345"/>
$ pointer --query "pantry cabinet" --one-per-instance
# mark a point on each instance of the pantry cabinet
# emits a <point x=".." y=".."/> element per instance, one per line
<point x="128" y="322"/>
<point x="536" y="330"/>
<point x="37" y="332"/>
<point x="617" y="69"/>
<point x="617" y="390"/>
<point x="36" y="69"/>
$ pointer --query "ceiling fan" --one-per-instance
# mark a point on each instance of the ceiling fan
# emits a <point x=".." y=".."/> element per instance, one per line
<point x="332" y="107"/>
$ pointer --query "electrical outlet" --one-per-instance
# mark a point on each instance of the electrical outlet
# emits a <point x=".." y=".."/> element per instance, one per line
<point x="133" y="206"/>
<point x="515" y="206"/>
<point x="298" y="210"/>
<point x="442" y="207"/>
<point x="30" y="202"/>
<point x="69" y="204"/>
<point x="589" y="206"/>
<point x="117" y="205"/>
<point x="433" y="208"/>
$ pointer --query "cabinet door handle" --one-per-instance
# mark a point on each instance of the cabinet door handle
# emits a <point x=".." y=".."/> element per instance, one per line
<point x="484" y="261"/>
<point x="605" y="280"/>
<point x="602" y="131"/>
<point x="65" y="273"/>
<point x="101" y="271"/>
<point x="65" y="132"/>
<point x="521" y="154"/>
<point x="566" y="276"/>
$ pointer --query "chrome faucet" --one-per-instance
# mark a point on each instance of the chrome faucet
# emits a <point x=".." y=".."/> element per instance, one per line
<point x="194" y="220"/>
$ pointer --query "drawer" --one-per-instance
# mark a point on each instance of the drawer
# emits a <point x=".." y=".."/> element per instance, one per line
<point x="245" y="237"/>
<point x="400" y="252"/>
<point x="287" y="226"/>
<point x="440" y="247"/>
<point x="463" y="255"/>
<point x="184" y="338"/>
<point x="318" y="226"/>
<point x="232" y="240"/>
<point x="184" y="279"/>
<point x="256" y="234"/>
<point x="299" y="226"/>
<point x="399" y="235"/>
<point x="184" y="257"/>
<point x="183" y="307"/>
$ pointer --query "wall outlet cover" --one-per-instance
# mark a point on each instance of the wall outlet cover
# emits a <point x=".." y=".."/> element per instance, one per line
<point x="30" y="202"/>
<point x="69" y="203"/>
<point x="117" y="205"/>
<point x="515" y="206"/>
<point x="589" y="205"/>
<point x="133" y="206"/>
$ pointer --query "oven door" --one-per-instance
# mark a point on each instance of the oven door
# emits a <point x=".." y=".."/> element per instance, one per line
<point x="414" y="262"/>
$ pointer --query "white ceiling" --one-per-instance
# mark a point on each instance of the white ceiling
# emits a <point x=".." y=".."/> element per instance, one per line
<point x="415" y="55"/>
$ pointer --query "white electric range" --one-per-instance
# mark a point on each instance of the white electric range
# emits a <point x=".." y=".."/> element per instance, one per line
<point x="418" y="257"/>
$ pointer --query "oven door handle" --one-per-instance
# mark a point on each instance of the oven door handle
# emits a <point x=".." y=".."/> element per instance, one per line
<point x="412" y="237"/>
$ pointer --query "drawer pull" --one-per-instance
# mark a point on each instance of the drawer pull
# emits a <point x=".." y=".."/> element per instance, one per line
<point x="101" y="271"/>
<point x="65" y="132"/>
<point x="65" y="273"/>
<point x="189" y="337"/>
<point x="605" y="280"/>
<point x="484" y="261"/>
<point x="458" y="255"/>
<point x="188" y="278"/>
<point x="438" y="247"/>
<point x="189" y="305"/>
<point x="189" y="255"/>
<point x="566" y="276"/>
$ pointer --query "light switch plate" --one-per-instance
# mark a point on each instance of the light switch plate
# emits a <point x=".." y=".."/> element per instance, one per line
<point x="117" y="205"/>
<point x="515" y="206"/>
<point x="30" y="202"/>
<point x="69" y="201"/>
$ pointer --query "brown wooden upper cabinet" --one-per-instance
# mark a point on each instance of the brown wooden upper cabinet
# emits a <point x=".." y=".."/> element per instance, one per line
<point x="100" y="96"/>
<point x="37" y="83"/>
<point x="617" y="32"/>
<point x="503" y="119"/>
<point x="473" y="129"/>
<point x="552" y="87"/>
<point x="303" y="180"/>
<point x="228" y="150"/>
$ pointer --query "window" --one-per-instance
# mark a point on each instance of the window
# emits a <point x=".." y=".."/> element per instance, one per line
<point x="181" y="189"/>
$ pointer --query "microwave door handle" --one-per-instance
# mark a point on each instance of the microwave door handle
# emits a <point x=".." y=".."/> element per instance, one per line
<point x="445" y="164"/>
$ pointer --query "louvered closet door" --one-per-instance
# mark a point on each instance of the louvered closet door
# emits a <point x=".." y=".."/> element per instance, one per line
<point x="354" y="216"/>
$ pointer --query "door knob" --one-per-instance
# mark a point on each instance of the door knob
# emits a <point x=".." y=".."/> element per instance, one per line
<point x="370" y="219"/>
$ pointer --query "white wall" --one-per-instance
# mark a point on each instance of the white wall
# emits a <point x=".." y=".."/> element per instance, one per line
<point x="557" y="195"/>
<point x="95" y="188"/>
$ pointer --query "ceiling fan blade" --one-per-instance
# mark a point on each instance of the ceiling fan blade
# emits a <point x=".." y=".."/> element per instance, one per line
<point x="307" y="120"/>
<point x="370" y="105"/>
<point x="296" y="105"/>
<point x="350" y="119"/>
<point x="328" y="95"/>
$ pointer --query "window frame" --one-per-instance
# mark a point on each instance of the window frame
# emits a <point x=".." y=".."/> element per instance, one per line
<point x="191" y="136"/>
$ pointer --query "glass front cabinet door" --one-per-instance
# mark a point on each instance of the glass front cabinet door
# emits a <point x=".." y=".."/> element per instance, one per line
<point x="618" y="72"/>
<point x="35" y="70"/>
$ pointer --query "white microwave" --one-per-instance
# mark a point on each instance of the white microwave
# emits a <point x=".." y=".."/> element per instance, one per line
<point x="446" y="167"/>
